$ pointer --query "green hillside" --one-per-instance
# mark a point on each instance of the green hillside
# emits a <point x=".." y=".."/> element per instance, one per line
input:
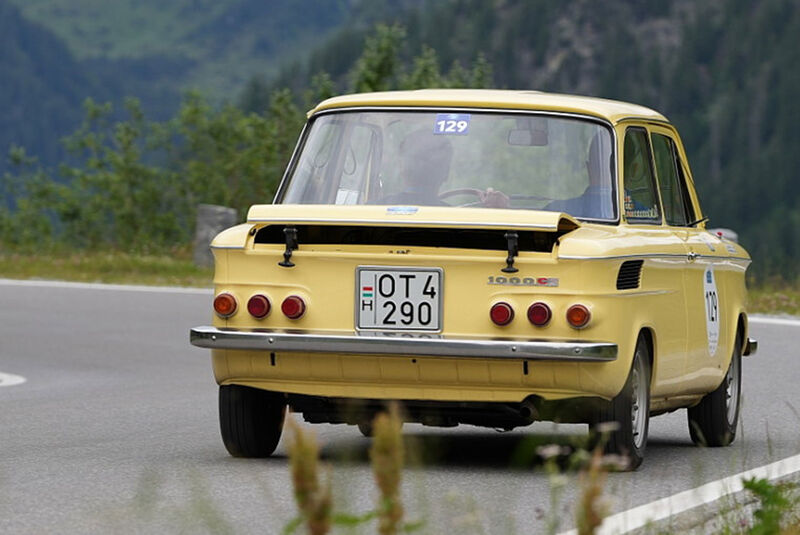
<point x="726" y="72"/>
<point x="216" y="44"/>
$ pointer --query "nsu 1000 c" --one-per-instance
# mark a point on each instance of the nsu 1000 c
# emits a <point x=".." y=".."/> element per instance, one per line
<point x="482" y="257"/>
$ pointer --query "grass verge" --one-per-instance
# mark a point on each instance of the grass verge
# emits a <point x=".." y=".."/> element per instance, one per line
<point x="107" y="266"/>
<point x="775" y="300"/>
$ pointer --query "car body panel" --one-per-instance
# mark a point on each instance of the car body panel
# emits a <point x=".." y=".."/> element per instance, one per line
<point x="585" y="260"/>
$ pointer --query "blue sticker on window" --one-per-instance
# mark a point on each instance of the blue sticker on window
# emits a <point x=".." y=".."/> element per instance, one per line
<point x="452" y="123"/>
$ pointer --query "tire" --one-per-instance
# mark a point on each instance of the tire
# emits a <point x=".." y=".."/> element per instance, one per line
<point x="366" y="428"/>
<point x="250" y="420"/>
<point x="629" y="411"/>
<point x="713" y="421"/>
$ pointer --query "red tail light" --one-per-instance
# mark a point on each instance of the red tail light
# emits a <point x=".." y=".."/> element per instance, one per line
<point x="259" y="306"/>
<point x="225" y="305"/>
<point x="578" y="316"/>
<point x="293" y="307"/>
<point x="501" y="313"/>
<point x="539" y="314"/>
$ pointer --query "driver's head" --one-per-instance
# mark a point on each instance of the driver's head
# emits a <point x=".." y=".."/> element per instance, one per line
<point x="425" y="159"/>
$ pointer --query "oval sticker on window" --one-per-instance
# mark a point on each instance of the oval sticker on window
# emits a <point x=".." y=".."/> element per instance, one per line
<point x="451" y="123"/>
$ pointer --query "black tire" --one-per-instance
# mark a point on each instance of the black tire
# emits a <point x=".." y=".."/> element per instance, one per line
<point x="629" y="412"/>
<point x="366" y="428"/>
<point x="713" y="421"/>
<point x="250" y="420"/>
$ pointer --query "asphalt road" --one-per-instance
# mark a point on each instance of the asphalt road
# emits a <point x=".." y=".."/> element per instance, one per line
<point x="115" y="429"/>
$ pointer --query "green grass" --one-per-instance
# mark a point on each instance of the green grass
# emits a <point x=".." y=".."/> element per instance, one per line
<point x="783" y="299"/>
<point x="110" y="267"/>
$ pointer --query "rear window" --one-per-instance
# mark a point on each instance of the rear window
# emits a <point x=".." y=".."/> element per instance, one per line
<point x="459" y="159"/>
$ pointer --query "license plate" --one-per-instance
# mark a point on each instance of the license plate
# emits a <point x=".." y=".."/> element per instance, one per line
<point x="399" y="299"/>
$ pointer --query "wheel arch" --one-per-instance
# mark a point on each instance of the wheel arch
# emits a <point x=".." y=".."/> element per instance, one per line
<point x="650" y="339"/>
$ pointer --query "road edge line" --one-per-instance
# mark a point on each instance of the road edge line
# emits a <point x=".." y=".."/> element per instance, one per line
<point x="104" y="286"/>
<point x="774" y="320"/>
<point x="642" y="515"/>
<point x="9" y="379"/>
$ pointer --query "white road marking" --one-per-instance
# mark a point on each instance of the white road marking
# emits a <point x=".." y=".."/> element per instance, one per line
<point x="102" y="286"/>
<point x="7" y="379"/>
<point x="770" y="320"/>
<point x="683" y="501"/>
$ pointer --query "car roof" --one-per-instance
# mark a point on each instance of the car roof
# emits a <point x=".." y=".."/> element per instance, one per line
<point x="612" y="110"/>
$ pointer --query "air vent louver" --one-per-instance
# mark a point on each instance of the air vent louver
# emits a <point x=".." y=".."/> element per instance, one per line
<point x="630" y="273"/>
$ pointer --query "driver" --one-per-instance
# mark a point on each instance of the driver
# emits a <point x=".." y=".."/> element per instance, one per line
<point x="425" y="160"/>
<point x="595" y="201"/>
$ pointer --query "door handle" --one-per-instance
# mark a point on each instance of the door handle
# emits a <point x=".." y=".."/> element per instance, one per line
<point x="692" y="256"/>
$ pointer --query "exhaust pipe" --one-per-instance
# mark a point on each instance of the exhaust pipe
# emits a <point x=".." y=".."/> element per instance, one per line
<point x="527" y="410"/>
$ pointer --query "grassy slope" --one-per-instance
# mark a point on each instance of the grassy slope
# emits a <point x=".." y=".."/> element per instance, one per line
<point x="109" y="267"/>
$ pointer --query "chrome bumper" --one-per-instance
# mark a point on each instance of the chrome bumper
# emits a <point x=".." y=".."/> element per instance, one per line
<point x="750" y="347"/>
<point x="399" y="345"/>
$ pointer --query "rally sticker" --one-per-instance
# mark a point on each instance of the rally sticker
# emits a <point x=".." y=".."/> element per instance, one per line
<point x="451" y="123"/>
<point x="712" y="310"/>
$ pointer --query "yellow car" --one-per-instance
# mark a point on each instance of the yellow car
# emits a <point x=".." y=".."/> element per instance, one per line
<point x="483" y="257"/>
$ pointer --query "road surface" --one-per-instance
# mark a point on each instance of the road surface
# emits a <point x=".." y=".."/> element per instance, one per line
<point x="108" y="421"/>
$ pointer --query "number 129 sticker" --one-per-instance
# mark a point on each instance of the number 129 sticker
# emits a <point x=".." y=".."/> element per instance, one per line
<point x="451" y="123"/>
<point x="712" y="310"/>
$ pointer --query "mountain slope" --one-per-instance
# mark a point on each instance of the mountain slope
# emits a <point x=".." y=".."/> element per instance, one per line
<point x="726" y="72"/>
<point x="214" y="45"/>
<point x="43" y="87"/>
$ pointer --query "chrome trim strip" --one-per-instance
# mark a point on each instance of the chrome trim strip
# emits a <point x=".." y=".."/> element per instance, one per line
<point x="654" y="255"/>
<point x="405" y="223"/>
<point x="643" y="119"/>
<point x="399" y="346"/>
<point x="751" y="347"/>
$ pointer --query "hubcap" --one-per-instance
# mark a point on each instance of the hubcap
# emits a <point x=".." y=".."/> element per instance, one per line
<point x="638" y="402"/>
<point x="732" y="390"/>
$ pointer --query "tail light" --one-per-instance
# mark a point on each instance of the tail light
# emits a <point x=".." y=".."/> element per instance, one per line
<point x="501" y="313"/>
<point x="225" y="305"/>
<point x="578" y="316"/>
<point x="259" y="306"/>
<point x="539" y="314"/>
<point x="293" y="307"/>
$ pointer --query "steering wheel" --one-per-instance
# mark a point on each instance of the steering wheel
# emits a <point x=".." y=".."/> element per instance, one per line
<point x="489" y="198"/>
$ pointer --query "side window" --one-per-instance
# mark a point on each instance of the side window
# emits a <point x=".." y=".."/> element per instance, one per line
<point x="669" y="182"/>
<point x="641" y="198"/>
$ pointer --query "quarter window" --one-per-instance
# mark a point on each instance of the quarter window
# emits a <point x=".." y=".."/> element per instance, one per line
<point x="668" y="180"/>
<point x="640" y="195"/>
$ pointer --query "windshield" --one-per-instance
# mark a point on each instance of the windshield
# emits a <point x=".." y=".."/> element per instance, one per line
<point x="429" y="158"/>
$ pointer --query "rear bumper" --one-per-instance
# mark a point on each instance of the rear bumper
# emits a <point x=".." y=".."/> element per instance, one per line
<point x="399" y="345"/>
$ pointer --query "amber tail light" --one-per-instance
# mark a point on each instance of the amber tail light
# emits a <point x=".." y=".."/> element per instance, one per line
<point x="578" y="316"/>
<point x="225" y="305"/>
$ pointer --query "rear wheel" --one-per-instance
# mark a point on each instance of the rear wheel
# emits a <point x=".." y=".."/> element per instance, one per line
<point x="712" y="422"/>
<point x="251" y="420"/>
<point x="366" y="428"/>
<point x="629" y="412"/>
